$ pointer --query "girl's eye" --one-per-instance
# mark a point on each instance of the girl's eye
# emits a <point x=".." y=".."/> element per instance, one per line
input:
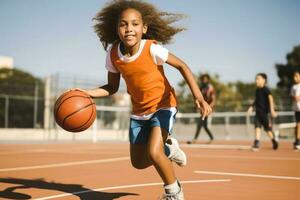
<point x="135" y="24"/>
<point x="122" y="24"/>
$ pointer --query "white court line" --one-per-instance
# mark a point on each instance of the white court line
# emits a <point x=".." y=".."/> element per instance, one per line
<point x="247" y="175"/>
<point x="65" y="164"/>
<point x="130" y="186"/>
<point x="245" y="157"/>
<point x="216" y="146"/>
<point x="77" y="151"/>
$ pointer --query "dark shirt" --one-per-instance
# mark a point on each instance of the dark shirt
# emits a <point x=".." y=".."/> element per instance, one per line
<point x="207" y="91"/>
<point x="261" y="103"/>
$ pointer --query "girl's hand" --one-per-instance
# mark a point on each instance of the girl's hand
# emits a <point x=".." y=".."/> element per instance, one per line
<point x="273" y="114"/>
<point x="79" y="89"/>
<point x="203" y="107"/>
<point x="250" y="110"/>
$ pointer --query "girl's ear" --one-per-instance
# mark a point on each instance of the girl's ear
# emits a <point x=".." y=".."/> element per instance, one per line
<point x="145" y="28"/>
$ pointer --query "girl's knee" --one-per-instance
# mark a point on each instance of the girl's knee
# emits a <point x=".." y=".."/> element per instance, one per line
<point x="155" y="154"/>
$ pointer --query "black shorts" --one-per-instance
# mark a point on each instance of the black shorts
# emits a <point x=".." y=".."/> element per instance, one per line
<point x="297" y="116"/>
<point x="264" y="120"/>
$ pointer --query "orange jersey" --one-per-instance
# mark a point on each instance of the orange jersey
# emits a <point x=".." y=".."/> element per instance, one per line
<point x="146" y="82"/>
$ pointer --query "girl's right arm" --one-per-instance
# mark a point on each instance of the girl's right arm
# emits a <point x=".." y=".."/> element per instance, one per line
<point x="112" y="86"/>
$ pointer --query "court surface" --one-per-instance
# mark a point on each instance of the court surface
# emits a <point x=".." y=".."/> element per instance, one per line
<point x="102" y="171"/>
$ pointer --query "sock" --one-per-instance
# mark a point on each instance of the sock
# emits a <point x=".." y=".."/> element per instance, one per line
<point x="172" y="188"/>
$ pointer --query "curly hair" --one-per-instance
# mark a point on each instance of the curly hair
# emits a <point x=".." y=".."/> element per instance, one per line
<point x="160" y="24"/>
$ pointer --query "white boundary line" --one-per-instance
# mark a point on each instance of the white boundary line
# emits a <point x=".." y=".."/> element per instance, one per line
<point x="247" y="175"/>
<point x="216" y="146"/>
<point x="246" y="157"/>
<point x="130" y="186"/>
<point x="65" y="164"/>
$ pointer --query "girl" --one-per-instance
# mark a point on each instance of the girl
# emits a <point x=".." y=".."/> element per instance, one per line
<point x="128" y="31"/>
<point x="209" y="95"/>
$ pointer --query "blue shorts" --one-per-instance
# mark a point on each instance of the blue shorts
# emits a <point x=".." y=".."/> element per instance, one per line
<point x="139" y="130"/>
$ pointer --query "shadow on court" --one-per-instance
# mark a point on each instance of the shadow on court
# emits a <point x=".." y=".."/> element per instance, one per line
<point x="75" y="189"/>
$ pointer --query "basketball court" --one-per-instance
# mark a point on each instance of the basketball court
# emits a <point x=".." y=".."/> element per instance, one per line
<point x="102" y="171"/>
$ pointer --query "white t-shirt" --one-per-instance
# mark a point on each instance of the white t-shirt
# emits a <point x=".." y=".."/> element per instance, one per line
<point x="158" y="53"/>
<point x="295" y="91"/>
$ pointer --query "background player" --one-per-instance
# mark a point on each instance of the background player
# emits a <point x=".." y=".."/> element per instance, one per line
<point x="209" y="95"/>
<point x="295" y="93"/>
<point x="264" y="111"/>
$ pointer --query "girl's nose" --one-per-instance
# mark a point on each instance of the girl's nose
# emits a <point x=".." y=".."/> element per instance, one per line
<point x="128" y="28"/>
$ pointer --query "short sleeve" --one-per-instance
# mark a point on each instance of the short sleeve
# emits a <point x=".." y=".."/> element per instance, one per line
<point x="108" y="63"/>
<point x="159" y="54"/>
<point x="267" y="91"/>
<point x="293" y="91"/>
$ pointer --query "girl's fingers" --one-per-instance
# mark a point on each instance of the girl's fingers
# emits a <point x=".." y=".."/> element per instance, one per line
<point x="198" y="105"/>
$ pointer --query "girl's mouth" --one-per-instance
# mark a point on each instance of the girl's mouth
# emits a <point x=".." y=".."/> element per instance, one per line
<point x="129" y="37"/>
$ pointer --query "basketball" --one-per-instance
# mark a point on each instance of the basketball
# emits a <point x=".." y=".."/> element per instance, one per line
<point x="74" y="111"/>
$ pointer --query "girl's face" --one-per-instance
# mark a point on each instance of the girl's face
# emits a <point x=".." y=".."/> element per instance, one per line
<point x="131" y="27"/>
<point x="260" y="81"/>
<point x="297" y="77"/>
<point x="204" y="80"/>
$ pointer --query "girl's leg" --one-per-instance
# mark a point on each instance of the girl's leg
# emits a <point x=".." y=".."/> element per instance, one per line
<point x="257" y="133"/>
<point x="297" y="134"/>
<point x="139" y="156"/>
<point x="198" y="130"/>
<point x="199" y="126"/>
<point x="157" y="155"/>
<point x="211" y="137"/>
<point x="256" y="144"/>
<point x="270" y="134"/>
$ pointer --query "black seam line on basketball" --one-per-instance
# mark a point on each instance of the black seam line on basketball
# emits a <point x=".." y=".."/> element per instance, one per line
<point x="58" y="107"/>
<point x="67" y="99"/>
<point x="74" y="129"/>
<point x="69" y="115"/>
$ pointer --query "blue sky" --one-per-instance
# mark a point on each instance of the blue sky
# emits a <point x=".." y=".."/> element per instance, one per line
<point x="233" y="38"/>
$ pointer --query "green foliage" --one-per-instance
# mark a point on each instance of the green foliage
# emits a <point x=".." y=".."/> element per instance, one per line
<point x="235" y="96"/>
<point x="19" y="87"/>
<point x="285" y="71"/>
<point x="285" y="74"/>
<point x="18" y="82"/>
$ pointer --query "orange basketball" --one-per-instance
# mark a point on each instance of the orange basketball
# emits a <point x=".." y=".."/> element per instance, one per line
<point x="74" y="111"/>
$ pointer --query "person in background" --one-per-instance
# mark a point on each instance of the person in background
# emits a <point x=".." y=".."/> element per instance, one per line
<point x="209" y="95"/>
<point x="264" y="107"/>
<point x="295" y="94"/>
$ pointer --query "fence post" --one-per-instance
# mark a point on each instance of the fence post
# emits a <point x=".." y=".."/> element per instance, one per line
<point x="6" y="118"/>
<point x="227" y="135"/>
<point x="47" y="103"/>
<point x="248" y="125"/>
<point x="35" y="108"/>
<point x="94" y="131"/>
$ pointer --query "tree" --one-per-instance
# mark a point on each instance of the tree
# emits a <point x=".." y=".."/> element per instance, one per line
<point x="20" y="87"/>
<point x="234" y="96"/>
<point x="285" y="74"/>
<point x="285" y="71"/>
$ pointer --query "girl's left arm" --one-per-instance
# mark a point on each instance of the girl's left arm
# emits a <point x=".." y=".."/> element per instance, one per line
<point x="272" y="106"/>
<point x="201" y="104"/>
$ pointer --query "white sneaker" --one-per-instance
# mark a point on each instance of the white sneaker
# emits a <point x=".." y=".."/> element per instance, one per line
<point x="177" y="196"/>
<point x="176" y="154"/>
